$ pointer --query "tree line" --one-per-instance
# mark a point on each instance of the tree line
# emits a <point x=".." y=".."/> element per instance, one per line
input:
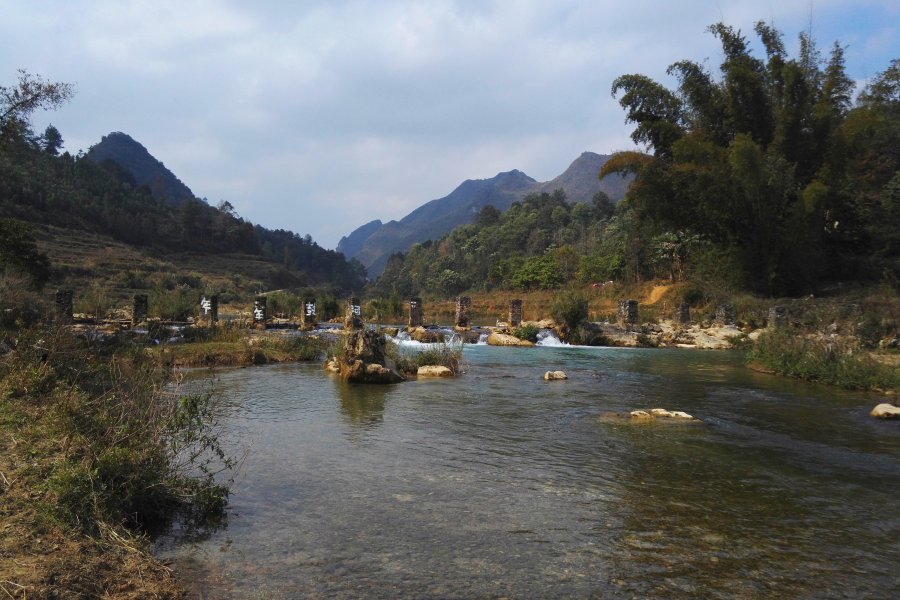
<point x="767" y="176"/>
<point x="40" y="185"/>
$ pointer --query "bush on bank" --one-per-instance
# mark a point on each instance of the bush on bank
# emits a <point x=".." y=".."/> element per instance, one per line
<point x="109" y="444"/>
<point x="834" y="361"/>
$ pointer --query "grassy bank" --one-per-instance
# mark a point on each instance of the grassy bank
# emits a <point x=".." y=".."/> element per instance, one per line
<point x="240" y="349"/>
<point x="834" y="361"/>
<point x="96" y="451"/>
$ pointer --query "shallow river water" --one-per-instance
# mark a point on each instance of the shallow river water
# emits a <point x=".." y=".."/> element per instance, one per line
<point x="497" y="484"/>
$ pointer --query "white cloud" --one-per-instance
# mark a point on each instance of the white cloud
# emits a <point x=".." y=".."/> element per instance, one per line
<point x="320" y="116"/>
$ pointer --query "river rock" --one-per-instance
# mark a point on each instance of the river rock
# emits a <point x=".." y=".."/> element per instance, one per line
<point x="434" y="371"/>
<point x="332" y="366"/>
<point x="426" y="336"/>
<point x="641" y="414"/>
<point x="554" y="376"/>
<point x="495" y="338"/>
<point x="363" y="359"/>
<point x="391" y="331"/>
<point x="886" y="411"/>
<point x="676" y="414"/>
<point x="467" y="337"/>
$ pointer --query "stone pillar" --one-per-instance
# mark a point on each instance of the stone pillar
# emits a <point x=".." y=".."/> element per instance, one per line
<point x="64" y="305"/>
<point x="308" y="316"/>
<point x="463" y="311"/>
<point x="209" y="309"/>
<point x="139" y="310"/>
<point x="725" y="314"/>
<point x="777" y="317"/>
<point x="416" y="312"/>
<point x="353" y="320"/>
<point x="515" y="313"/>
<point x="627" y="314"/>
<point x="682" y="313"/>
<point x="259" y="310"/>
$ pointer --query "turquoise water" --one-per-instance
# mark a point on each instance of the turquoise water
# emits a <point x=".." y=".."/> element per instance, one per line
<point x="497" y="484"/>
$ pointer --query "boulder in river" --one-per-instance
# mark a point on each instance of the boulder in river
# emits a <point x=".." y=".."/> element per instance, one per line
<point x="363" y="360"/>
<point x="434" y="371"/>
<point x="426" y="336"/>
<point x="555" y="376"/>
<point x="675" y="414"/>
<point x="886" y="411"/>
<point x="495" y="338"/>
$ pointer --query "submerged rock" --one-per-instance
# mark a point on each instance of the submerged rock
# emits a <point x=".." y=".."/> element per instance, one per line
<point x="886" y="411"/>
<point x="495" y="338"/>
<point x="554" y="376"/>
<point x="434" y="371"/>
<point x="363" y="359"/>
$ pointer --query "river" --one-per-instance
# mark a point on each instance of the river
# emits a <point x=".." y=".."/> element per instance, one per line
<point x="497" y="484"/>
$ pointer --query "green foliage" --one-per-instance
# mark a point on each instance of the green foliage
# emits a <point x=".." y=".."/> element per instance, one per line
<point x="172" y="305"/>
<point x="409" y="359"/>
<point x="827" y="360"/>
<point x="541" y="272"/>
<point x="569" y="309"/>
<point x="19" y="253"/>
<point x="768" y="163"/>
<point x="107" y="441"/>
<point x="527" y="332"/>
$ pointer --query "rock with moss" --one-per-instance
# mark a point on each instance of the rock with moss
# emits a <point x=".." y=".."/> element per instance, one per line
<point x="363" y="360"/>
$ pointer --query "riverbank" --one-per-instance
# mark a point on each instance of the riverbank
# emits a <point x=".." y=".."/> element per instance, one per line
<point x="95" y="452"/>
<point x="247" y="351"/>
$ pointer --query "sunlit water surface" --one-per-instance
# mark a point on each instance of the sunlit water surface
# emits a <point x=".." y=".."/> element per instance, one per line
<point x="497" y="484"/>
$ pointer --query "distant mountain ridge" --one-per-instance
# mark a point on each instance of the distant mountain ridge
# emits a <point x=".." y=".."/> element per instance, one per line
<point x="130" y="154"/>
<point x="373" y="245"/>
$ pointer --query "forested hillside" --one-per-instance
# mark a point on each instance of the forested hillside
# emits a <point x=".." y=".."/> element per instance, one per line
<point x="767" y="176"/>
<point x="75" y="192"/>
<point x="122" y="149"/>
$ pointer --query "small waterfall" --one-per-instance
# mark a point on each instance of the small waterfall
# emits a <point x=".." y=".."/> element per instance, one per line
<point x="546" y="337"/>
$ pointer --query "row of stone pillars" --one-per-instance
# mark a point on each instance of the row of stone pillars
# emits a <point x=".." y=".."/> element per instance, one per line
<point x="463" y="318"/>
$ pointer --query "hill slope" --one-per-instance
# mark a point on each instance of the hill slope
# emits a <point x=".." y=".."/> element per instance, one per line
<point x="123" y="149"/>
<point x="374" y="245"/>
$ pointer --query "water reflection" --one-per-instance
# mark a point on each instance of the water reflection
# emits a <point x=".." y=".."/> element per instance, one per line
<point x="498" y="484"/>
<point x="362" y="405"/>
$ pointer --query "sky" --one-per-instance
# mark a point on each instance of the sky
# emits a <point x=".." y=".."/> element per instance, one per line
<point x="319" y="116"/>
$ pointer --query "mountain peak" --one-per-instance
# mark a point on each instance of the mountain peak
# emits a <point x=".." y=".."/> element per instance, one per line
<point x="133" y="156"/>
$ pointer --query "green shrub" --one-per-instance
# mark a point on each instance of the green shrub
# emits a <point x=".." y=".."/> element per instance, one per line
<point x="827" y="360"/>
<point x="445" y="354"/>
<point x="527" y="332"/>
<point x="109" y="439"/>
<point x="569" y="309"/>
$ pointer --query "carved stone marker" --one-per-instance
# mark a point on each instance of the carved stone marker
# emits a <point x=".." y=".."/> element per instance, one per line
<point x="515" y="312"/>
<point x="64" y="305"/>
<point x="463" y="311"/>
<point x="353" y="320"/>
<point x="682" y="313"/>
<point x="725" y="314"/>
<point x="627" y="314"/>
<point x="777" y="317"/>
<point x="209" y="309"/>
<point x="139" y="310"/>
<point x="259" y="310"/>
<point x="308" y="317"/>
<point x="416" y="312"/>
